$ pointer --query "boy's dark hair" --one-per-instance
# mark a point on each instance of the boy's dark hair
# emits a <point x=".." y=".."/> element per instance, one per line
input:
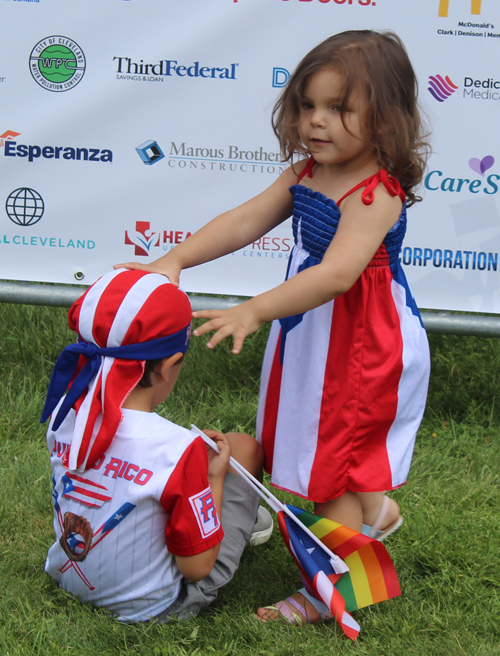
<point x="150" y="369"/>
<point x="377" y="65"/>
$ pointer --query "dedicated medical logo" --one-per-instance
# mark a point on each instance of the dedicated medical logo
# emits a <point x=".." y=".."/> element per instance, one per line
<point x="142" y="238"/>
<point x="57" y="63"/>
<point x="24" y="206"/>
<point x="441" y="88"/>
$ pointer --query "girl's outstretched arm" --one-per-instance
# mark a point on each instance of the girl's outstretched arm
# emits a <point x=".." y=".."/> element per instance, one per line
<point x="229" y="231"/>
<point x="360" y="232"/>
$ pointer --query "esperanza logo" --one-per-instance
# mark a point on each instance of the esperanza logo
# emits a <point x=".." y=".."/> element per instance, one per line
<point x="141" y="72"/>
<point x="57" y="63"/>
<point x="441" y="88"/>
<point x="56" y="152"/>
<point x="8" y="136"/>
<point x="444" y="6"/>
<point x="434" y="180"/>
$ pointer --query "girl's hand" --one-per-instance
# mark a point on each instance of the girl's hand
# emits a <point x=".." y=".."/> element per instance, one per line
<point x="165" y="266"/>
<point x="218" y="463"/>
<point x="239" y="321"/>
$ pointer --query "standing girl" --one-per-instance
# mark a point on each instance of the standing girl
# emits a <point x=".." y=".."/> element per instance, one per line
<point x="346" y="368"/>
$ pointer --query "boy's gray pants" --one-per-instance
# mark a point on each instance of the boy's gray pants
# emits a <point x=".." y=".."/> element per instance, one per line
<point x="239" y="513"/>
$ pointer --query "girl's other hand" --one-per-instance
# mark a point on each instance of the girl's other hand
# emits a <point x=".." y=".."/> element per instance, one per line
<point x="218" y="463"/>
<point x="168" y="269"/>
<point x="239" y="321"/>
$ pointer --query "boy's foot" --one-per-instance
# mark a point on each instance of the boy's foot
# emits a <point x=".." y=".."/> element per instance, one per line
<point x="387" y="521"/>
<point x="263" y="527"/>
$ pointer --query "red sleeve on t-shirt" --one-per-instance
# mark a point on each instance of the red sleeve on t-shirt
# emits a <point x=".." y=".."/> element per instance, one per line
<point x="193" y="525"/>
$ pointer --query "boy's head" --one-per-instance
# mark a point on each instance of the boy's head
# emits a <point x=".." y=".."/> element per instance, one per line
<point x="124" y="320"/>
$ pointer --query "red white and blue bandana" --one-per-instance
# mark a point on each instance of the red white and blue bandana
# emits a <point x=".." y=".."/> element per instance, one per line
<point x="124" y="319"/>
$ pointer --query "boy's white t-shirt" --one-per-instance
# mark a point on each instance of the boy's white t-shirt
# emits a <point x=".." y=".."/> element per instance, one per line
<point x="147" y="500"/>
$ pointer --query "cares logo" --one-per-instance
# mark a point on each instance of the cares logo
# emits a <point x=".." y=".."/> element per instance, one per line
<point x="434" y="180"/>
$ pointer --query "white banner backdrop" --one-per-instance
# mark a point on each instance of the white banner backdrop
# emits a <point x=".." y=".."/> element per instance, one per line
<point x="128" y="124"/>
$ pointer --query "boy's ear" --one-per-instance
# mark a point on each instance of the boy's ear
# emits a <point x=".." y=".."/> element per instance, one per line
<point x="166" y="363"/>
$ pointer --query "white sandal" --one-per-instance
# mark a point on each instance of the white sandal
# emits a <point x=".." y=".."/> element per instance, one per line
<point x="376" y="531"/>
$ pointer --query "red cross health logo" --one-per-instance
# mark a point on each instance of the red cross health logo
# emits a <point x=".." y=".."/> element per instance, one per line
<point x="142" y="238"/>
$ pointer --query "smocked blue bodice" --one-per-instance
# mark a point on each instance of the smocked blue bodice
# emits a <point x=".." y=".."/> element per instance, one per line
<point x="315" y="222"/>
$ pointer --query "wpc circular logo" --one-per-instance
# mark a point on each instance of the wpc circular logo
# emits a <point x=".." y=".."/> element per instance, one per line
<point x="57" y="63"/>
<point x="24" y="206"/>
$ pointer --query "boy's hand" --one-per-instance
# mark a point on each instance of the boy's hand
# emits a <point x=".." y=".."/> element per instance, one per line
<point x="218" y="463"/>
<point x="238" y="321"/>
<point x="166" y="268"/>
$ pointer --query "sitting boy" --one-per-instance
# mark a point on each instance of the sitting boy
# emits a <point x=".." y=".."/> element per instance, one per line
<point x="138" y="502"/>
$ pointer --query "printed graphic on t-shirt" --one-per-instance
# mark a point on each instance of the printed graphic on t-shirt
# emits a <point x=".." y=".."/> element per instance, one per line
<point x="78" y="539"/>
<point x="205" y="512"/>
<point x="87" y="492"/>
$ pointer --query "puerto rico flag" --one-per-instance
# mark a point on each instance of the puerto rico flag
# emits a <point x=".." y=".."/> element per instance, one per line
<point x="317" y="572"/>
<point x="87" y="492"/>
<point x="370" y="579"/>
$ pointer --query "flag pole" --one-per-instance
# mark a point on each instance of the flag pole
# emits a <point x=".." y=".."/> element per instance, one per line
<point x="337" y="563"/>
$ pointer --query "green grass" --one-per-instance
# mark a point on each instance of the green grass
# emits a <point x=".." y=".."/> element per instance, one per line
<point x="446" y="553"/>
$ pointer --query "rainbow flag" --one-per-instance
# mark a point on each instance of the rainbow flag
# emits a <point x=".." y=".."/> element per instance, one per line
<point x="371" y="577"/>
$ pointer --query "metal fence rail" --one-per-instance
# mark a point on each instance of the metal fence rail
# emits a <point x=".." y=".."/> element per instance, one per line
<point x="446" y="323"/>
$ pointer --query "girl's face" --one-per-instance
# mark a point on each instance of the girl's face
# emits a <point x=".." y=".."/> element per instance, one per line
<point x="320" y="125"/>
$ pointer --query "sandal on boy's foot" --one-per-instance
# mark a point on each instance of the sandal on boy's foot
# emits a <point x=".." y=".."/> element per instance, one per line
<point x="376" y="531"/>
<point x="263" y="527"/>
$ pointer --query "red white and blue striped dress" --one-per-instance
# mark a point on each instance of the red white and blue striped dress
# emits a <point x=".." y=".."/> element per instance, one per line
<point x="344" y="385"/>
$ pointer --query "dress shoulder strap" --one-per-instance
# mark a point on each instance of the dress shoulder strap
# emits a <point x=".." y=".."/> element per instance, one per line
<point x="307" y="170"/>
<point x="391" y="184"/>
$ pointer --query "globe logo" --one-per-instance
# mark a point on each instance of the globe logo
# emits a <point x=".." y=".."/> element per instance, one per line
<point x="24" y="206"/>
<point x="57" y="63"/>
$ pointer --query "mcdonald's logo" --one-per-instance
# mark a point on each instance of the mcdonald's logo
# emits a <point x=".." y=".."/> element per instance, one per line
<point x="475" y="7"/>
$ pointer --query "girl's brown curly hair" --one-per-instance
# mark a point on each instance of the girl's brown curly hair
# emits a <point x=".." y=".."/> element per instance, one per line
<point x="377" y="65"/>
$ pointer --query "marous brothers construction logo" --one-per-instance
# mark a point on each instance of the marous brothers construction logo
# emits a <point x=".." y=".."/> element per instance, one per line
<point x="57" y="63"/>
